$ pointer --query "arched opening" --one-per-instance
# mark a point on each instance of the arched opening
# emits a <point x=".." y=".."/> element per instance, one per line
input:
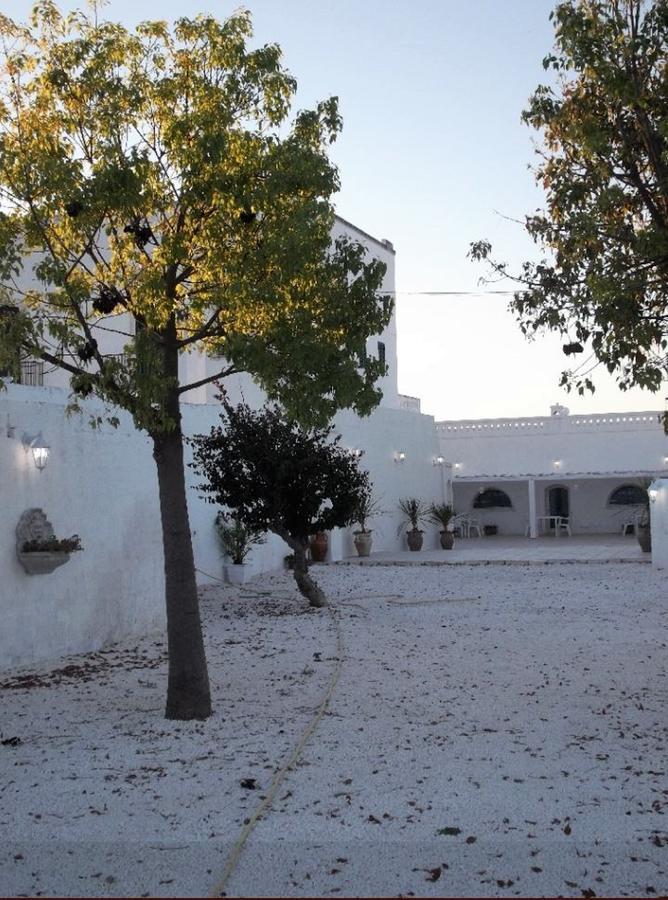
<point x="557" y="502"/>
<point x="491" y="498"/>
<point x="628" y="495"/>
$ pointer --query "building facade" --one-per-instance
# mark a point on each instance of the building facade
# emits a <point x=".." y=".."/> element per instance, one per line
<point x="101" y="484"/>
<point x="522" y="474"/>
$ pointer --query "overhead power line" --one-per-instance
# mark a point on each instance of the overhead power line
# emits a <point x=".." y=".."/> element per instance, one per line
<point x="450" y="293"/>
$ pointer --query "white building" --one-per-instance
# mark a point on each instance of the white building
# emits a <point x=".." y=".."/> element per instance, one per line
<point x="522" y="474"/>
<point x="101" y="484"/>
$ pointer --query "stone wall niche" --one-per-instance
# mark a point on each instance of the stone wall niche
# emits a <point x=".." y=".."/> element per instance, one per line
<point x="34" y="526"/>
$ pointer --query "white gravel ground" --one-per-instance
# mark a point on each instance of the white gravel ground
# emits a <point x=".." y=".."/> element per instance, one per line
<point x="496" y="731"/>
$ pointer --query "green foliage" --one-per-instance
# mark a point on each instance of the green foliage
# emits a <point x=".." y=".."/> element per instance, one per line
<point x="53" y="545"/>
<point x="367" y="507"/>
<point x="278" y="476"/>
<point x="236" y="540"/>
<point x="603" y="281"/>
<point x="440" y="514"/>
<point x="153" y="185"/>
<point x="414" y="512"/>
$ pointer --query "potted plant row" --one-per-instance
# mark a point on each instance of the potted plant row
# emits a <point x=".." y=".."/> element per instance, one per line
<point x="415" y="512"/>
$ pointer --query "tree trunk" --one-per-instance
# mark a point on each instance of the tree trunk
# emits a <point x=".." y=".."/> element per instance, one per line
<point x="188" y="694"/>
<point x="307" y="586"/>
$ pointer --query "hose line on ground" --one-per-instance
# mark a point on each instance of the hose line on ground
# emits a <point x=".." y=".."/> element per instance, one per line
<point x="279" y="777"/>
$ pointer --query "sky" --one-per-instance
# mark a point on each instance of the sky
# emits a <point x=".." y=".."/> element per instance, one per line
<point x="433" y="156"/>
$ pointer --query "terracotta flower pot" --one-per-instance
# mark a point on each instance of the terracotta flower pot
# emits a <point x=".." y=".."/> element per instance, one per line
<point x="414" y="539"/>
<point x="447" y="540"/>
<point x="318" y="545"/>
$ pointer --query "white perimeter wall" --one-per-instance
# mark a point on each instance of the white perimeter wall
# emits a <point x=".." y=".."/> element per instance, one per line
<point x="102" y="485"/>
<point x="659" y="518"/>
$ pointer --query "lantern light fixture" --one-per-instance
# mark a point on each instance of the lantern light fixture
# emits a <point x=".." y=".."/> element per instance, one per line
<point x="40" y="449"/>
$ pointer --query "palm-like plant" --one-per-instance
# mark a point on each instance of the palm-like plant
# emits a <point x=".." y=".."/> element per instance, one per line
<point x="441" y="514"/>
<point x="414" y="511"/>
<point x="367" y="507"/>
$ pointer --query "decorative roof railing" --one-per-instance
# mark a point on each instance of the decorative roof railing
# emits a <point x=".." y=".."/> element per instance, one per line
<point x="412" y="404"/>
<point x="648" y="420"/>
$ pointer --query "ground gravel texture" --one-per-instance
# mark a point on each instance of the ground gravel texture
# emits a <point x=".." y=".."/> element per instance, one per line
<point x="495" y="731"/>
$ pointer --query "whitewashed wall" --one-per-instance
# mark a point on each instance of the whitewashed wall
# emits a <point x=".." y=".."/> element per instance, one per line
<point x="659" y="518"/>
<point x="102" y="485"/>
<point x="554" y="445"/>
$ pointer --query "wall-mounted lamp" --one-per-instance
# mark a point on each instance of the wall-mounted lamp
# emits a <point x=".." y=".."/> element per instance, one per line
<point x="557" y="464"/>
<point x="357" y="452"/>
<point x="400" y="456"/>
<point x="40" y="449"/>
<point x="458" y="465"/>
<point x="439" y="460"/>
<point x="653" y="494"/>
<point x="665" y="460"/>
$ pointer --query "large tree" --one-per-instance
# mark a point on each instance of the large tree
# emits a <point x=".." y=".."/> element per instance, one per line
<point x="603" y="280"/>
<point x="152" y="183"/>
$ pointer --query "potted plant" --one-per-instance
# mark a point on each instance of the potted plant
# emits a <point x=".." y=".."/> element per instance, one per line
<point x="236" y="542"/>
<point x="414" y="512"/>
<point x="442" y="514"/>
<point x="318" y="546"/>
<point x="367" y="507"/>
<point x="38" y="549"/>
<point x="39" y="557"/>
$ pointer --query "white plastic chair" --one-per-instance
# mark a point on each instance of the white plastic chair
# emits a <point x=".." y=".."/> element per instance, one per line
<point x="561" y="523"/>
<point x="461" y="523"/>
<point x="474" y="525"/>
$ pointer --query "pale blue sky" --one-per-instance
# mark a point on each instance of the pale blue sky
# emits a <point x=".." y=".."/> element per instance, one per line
<point x="432" y="155"/>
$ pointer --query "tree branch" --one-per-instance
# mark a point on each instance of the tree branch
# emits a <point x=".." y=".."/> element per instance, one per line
<point x="231" y="370"/>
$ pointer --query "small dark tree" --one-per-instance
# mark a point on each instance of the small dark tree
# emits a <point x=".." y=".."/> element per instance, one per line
<point x="277" y="476"/>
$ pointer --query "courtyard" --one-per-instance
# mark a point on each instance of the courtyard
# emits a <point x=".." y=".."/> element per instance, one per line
<point x="487" y="731"/>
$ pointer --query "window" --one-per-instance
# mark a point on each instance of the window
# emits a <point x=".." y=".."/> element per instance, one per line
<point x="381" y="352"/>
<point x="491" y="497"/>
<point x="628" y="495"/>
<point x="32" y="372"/>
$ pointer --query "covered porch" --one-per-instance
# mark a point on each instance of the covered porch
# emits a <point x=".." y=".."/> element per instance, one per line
<point x="554" y="505"/>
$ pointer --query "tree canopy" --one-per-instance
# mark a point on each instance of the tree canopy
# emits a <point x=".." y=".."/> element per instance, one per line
<point x="153" y="186"/>
<point x="276" y="476"/>
<point x="155" y="173"/>
<point x="603" y="281"/>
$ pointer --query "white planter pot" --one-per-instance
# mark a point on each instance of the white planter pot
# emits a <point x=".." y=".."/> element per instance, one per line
<point x="42" y="562"/>
<point x="236" y="573"/>
<point x="363" y="541"/>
